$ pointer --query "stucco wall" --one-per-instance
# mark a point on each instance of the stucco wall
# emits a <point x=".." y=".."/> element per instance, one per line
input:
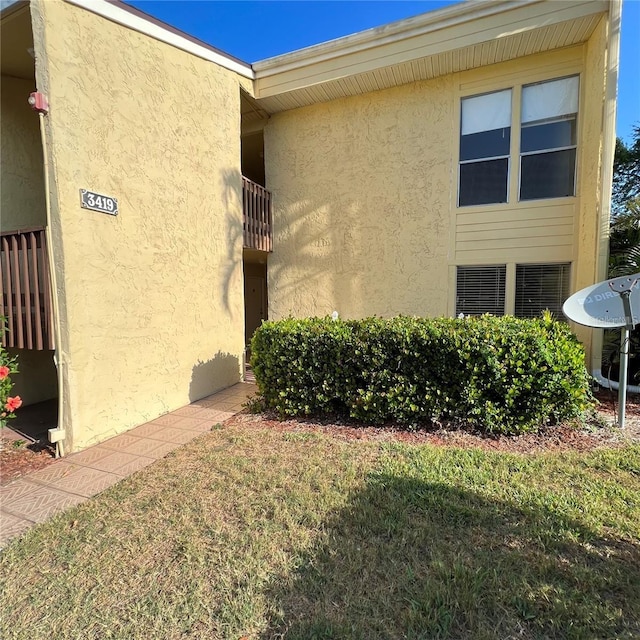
<point x="592" y="219"/>
<point x="361" y="218"/>
<point x="365" y="195"/>
<point x="21" y="181"/>
<point x="151" y="300"/>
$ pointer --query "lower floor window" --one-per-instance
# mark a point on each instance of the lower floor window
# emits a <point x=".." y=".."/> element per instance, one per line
<point x="482" y="289"/>
<point x="540" y="287"/>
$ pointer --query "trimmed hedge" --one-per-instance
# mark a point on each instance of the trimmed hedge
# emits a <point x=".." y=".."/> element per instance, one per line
<point x="499" y="374"/>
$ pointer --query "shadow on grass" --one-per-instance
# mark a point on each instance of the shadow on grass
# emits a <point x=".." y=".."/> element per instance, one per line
<point x="410" y="559"/>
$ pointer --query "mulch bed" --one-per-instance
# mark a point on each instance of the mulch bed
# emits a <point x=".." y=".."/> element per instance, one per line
<point x="18" y="458"/>
<point x="601" y="432"/>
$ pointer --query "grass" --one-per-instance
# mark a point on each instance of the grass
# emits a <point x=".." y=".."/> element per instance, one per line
<point x="262" y="534"/>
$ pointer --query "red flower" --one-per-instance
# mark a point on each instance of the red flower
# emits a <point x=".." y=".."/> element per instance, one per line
<point x="4" y="372"/>
<point x="13" y="403"/>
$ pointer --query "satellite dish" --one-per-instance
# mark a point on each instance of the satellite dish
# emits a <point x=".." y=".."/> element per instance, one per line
<point x="601" y="305"/>
<point x="609" y="304"/>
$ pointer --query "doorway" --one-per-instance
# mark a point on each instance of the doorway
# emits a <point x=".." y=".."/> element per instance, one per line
<point x="255" y="298"/>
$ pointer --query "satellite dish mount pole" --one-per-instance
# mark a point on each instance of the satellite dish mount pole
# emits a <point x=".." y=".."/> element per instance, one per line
<point x="624" y="290"/>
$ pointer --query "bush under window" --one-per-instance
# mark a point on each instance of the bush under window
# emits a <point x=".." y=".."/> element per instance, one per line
<point x="499" y="374"/>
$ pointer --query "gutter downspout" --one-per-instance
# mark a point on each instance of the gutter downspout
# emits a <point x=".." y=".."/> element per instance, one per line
<point x="54" y="289"/>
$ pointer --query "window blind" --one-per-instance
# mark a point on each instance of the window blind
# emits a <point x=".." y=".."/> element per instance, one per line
<point x="540" y="287"/>
<point x="480" y="289"/>
<point x="548" y="100"/>
<point x="486" y="112"/>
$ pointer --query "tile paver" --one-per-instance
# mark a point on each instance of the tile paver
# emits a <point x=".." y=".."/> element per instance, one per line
<point x="148" y="430"/>
<point x="172" y="434"/>
<point x="117" y="462"/>
<point x="167" y="420"/>
<point x="194" y="424"/>
<point x="121" y="442"/>
<point x="210" y="414"/>
<point x="86" y="481"/>
<point x="150" y="448"/>
<point x="41" y="504"/>
<point x="89" y="456"/>
<point x="190" y="411"/>
<point x="72" y="480"/>
<point x="11" y="526"/>
<point x="139" y="462"/>
<point x="16" y="489"/>
<point x="55" y="471"/>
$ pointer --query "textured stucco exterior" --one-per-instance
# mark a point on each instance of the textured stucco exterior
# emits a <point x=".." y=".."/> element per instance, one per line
<point x="366" y="222"/>
<point x="365" y="194"/>
<point x="151" y="302"/>
<point x="21" y="181"/>
<point x="361" y="218"/>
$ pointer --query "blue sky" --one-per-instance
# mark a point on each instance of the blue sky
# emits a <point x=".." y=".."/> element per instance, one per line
<point x="253" y="31"/>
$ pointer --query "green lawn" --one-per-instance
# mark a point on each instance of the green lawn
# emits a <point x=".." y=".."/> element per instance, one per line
<point x="267" y="534"/>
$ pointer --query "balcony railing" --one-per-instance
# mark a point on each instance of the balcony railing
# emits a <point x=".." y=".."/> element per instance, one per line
<point x="24" y="290"/>
<point x="257" y="216"/>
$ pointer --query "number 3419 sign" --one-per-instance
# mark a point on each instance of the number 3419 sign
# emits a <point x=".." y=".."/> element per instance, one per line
<point x="98" y="202"/>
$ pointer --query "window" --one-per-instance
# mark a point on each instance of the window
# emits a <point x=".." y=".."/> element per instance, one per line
<point x="480" y="290"/>
<point x="540" y="287"/>
<point x="548" y="139"/>
<point x="485" y="141"/>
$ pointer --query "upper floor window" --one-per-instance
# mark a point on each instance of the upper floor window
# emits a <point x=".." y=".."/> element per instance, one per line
<point x="485" y="141"/>
<point x="548" y="134"/>
<point x="548" y="139"/>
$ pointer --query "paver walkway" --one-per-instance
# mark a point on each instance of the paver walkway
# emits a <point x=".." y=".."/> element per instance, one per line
<point x="75" y="478"/>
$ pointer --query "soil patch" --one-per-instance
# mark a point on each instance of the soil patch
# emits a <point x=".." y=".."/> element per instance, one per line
<point x="19" y="457"/>
<point x="600" y="431"/>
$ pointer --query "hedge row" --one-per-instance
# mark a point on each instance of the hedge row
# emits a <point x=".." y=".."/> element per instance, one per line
<point x="499" y="374"/>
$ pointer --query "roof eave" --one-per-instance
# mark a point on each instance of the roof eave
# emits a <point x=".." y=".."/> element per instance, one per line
<point x="456" y="27"/>
<point x="132" y="18"/>
<point x="459" y="13"/>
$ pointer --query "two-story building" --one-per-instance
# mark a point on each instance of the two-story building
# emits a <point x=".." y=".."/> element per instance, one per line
<point x="456" y="162"/>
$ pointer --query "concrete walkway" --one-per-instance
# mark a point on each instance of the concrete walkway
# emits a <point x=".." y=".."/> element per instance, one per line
<point x="75" y="478"/>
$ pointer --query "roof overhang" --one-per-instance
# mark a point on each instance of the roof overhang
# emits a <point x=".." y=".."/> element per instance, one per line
<point x="455" y="38"/>
<point x="16" y="41"/>
<point x="137" y="20"/>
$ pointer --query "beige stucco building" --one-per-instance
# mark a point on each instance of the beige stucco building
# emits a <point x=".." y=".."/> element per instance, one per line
<point x="455" y="162"/>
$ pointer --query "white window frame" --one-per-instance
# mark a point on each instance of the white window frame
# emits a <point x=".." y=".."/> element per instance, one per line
<point x="521" y="154"/>
<point x="487" y="159"/>
<point x="516" y="142"/>
<point x="511" y="283"/>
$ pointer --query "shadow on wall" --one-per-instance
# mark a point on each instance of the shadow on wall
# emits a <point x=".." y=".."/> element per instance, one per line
<point x="313" y="238"/>
<point x="315" y="268"/>
<point x="413" y="559"/>
<point x="220" y="372"/>
<point x="232" y="197"/>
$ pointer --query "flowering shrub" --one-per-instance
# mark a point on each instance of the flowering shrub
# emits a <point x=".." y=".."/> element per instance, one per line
<point x="8" y="404"/>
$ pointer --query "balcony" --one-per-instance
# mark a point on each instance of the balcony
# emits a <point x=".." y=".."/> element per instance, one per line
<point x="24" y="290"/>
<point x="256" y="216"/>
